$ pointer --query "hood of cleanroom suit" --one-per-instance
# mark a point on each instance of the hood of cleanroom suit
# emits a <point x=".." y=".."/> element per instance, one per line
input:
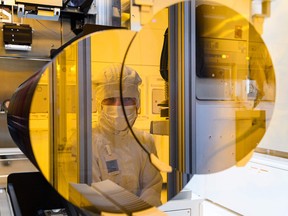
<point x="107" y="85"/>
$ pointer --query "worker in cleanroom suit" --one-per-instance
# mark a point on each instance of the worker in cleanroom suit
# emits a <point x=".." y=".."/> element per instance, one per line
<point x="116" y="154"/>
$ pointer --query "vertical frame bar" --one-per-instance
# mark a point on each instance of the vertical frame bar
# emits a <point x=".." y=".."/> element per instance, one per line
<point x="85" y="111"/>
<point x="51" y="83"/>
<point x="182" y="95"/>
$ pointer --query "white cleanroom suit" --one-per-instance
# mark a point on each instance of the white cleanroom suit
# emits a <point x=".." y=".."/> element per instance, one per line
<point x="116" y="154"/>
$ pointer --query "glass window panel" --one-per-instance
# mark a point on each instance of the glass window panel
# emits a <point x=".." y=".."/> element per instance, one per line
<point x="39" y="124"/>
<point x="66" y="144"/>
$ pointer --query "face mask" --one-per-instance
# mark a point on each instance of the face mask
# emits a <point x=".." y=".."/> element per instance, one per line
<point x="114" y="116"/>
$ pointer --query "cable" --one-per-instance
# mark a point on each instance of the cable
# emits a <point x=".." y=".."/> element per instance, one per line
<point x="122" y="99"/>
<point x="158" y="164"/>
<point x="49" y="29"/>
